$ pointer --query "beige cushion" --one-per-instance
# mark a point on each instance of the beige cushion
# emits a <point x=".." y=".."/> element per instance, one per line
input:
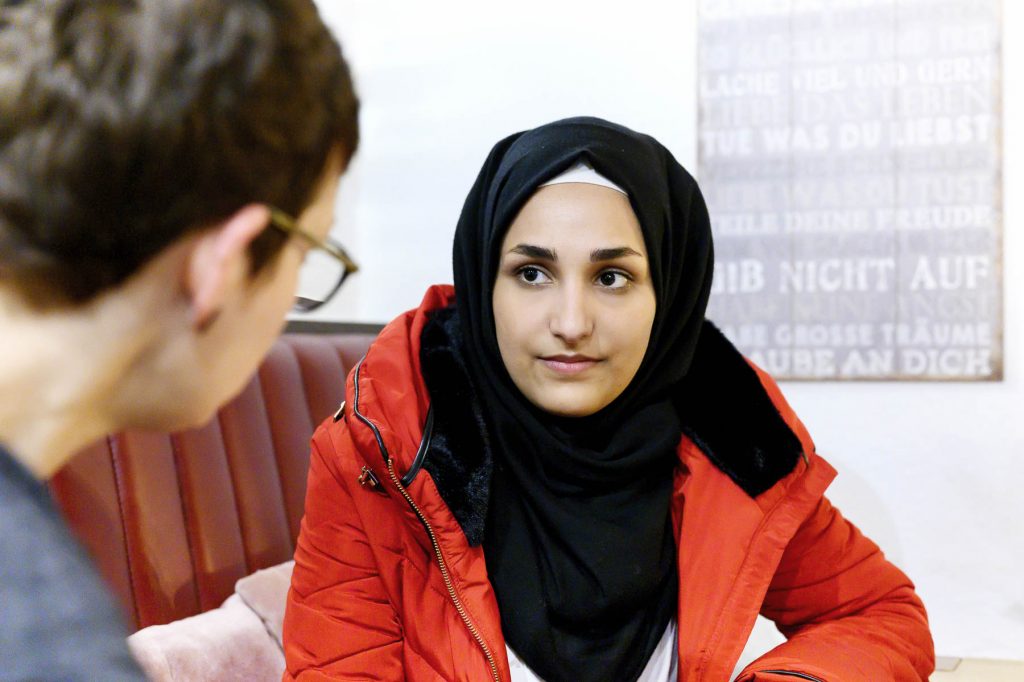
<point x="240" y="640"/>
<point x="266" y="592"/>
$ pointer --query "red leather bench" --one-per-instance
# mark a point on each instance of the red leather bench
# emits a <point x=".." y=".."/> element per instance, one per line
<point x="174" y="520"/>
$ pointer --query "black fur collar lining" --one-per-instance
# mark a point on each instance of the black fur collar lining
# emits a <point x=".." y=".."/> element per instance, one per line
<point x="459" y="457"/>
<point x="728" y="413"/>
<point x="723" y="407"/>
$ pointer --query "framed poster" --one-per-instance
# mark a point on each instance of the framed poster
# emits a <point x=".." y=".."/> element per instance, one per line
<point x="850" y="155"/>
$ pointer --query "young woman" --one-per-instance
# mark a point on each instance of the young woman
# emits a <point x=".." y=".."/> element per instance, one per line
<point x="560" y="470"/>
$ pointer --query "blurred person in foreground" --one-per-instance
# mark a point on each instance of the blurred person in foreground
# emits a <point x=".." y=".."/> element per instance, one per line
<point x="166" y="166"/>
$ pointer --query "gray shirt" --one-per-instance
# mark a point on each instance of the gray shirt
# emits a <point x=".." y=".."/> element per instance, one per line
<point x="57" y="621"/>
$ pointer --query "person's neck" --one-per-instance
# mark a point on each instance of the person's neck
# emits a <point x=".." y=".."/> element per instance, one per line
<point x="59" y="373"/>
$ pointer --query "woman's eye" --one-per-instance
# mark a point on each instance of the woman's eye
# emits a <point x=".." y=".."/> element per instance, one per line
<point x="612" y="279"/>
<point x="532" y="275"/>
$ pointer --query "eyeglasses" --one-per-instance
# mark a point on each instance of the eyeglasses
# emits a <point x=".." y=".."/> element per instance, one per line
<point x="324" y="269"/>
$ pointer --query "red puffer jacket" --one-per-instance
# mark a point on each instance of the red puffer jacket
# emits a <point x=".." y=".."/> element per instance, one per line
<point x="387" y="586"/>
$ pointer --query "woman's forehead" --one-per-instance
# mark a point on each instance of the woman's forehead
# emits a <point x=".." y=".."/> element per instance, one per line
<point x="577" y="214"/>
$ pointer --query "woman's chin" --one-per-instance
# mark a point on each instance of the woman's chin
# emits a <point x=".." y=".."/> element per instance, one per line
<point x="560" y="405"/>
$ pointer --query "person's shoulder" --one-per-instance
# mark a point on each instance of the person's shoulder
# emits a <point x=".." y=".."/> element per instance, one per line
<point x="28" y="519"/>
<point x="720" y="368"/>
<point x="789" y="416"/>
<point x="737" y="416"/>
<point x="400" y="340"/>
<point x="57" y="615"/>
<point x="386" y="399"/>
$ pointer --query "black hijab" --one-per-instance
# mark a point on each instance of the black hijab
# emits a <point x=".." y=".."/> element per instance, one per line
<point x="578" y="541"/>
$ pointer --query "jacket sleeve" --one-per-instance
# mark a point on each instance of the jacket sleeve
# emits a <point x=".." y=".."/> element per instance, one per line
<point x="847" y="613"/>
<point x="339" y="623"/>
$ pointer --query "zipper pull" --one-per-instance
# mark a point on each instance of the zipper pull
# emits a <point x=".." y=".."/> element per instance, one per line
<point x="368" y="478"/>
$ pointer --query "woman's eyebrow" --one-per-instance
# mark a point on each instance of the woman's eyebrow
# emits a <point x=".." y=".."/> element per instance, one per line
<point x="531" y="251"/>
<point x="599" y="255"/>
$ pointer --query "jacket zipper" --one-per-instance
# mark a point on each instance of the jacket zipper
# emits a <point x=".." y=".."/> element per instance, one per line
<point x="369" y="477"/>
<point x="444" y="573"/>
<point x="790" y="673"/>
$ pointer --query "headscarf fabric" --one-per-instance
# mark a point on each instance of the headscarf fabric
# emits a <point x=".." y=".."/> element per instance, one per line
<point x="578" y="540"/>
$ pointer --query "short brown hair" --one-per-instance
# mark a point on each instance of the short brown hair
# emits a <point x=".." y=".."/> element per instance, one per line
<point x="125" y="124"/>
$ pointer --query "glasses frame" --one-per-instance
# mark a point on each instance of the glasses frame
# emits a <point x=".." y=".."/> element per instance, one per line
<point x="289" y="226"/>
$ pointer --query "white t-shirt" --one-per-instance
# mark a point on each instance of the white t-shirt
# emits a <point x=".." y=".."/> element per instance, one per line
<point x="662" y="666"/>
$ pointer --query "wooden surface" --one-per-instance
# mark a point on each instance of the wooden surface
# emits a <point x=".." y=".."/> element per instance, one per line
<point x="977" y="670"/>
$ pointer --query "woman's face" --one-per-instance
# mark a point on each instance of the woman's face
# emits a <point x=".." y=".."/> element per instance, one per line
<point x="573" y="299"/>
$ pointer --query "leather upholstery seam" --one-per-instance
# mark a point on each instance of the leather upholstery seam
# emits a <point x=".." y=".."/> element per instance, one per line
<point x="234" y="496"/>
<point x="118" y="480"/>
<point x="186" y="521"/>
<point x="278" y="468"/>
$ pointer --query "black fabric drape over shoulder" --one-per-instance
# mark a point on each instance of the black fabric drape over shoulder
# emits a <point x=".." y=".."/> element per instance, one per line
<point x="578" y="539"/>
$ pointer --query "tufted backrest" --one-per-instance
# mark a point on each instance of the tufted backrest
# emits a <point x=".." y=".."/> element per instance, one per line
<point x="174" y="520"/>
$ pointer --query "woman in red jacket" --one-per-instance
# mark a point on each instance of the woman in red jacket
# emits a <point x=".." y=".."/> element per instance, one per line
<point x="560" y="470"/>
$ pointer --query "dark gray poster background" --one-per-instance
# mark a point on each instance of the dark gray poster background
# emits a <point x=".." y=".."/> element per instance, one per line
<point x="850" y="154"/>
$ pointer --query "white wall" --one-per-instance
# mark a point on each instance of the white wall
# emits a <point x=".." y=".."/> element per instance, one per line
<point x="441" y="82"/>
<point x="933" y="472"/>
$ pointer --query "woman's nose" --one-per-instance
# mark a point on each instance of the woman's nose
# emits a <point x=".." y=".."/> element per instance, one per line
<point x="571" y="320"/>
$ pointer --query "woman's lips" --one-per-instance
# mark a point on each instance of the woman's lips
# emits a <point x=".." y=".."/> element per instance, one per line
<point x="568" y="364"/>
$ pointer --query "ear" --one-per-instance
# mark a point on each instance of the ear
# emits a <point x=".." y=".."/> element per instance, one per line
<point x="217" y="258"/>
